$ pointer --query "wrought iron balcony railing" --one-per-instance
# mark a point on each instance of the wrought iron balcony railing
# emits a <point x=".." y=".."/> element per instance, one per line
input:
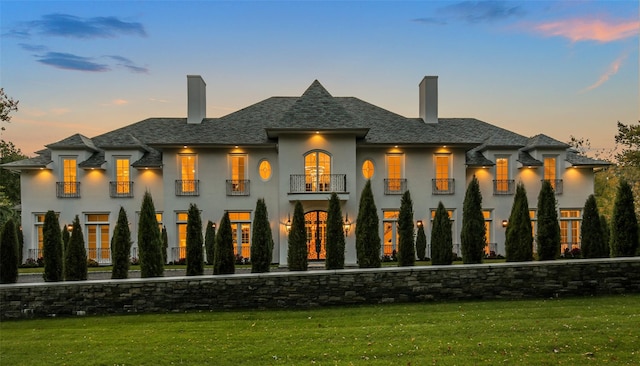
<point x="187" y="187"/>
<point x="121" y="189"/>
<point x="301" y="183"/>
<point x="68" y="189"/>
<point x="237" y="187"/>
<point x="503" y="187"/>
<point x="443" y="186"/>
<point x="395" y="186"/>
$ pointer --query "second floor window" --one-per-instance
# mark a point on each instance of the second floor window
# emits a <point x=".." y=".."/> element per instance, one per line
<point x="443" y="182"/>
<point x="69" y="175"/>
<point x="238" y="165"/>
<point x="188" y="172"/>
<point x="395" y="183"/>
<point x="317" y="170"/>
<point x="503" y="185"/>
<point x="122" y="176"/>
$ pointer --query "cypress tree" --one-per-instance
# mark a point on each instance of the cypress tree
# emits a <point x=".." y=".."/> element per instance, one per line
<point x="262" y="239"/>
<point x="406" y="245"/>
<point x="473" y="236"/>
<point x="149" y="240"/>
<point x="297" y="254"/>
<point x="52" y="248"/>
<point x="209" y="240"/>
<point x="20" y="245"/>
<point x="591" y="232"/>
<point x="9" y="252"/>
<point x="624" y="223"/>
<point x="421" y="243"/>
<point x="368" y="243"/>
<point x="121" y="246"/>
<point x="441" y="237"/>
<point x="519" y="240"/>
<point x="165" y="244"/>
<point x="335" y="235"/>
<point x="75" y="268"/>
<point x="65" y="238"/>
<point x="548" y="233"/>
<point x="195" y="258"/>
<point x="223" y="257"/>
<point x="606" y="236"/>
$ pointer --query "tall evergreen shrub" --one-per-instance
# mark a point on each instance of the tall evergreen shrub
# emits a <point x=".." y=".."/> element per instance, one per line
<point x="262" y="239"/>
<point x="149" y="240"/>
<point x="20" y="245"/>
<point x="209" y="241"/>
<point x="548" y="231"/>
<point x="52" y="248"/>
<point x="165" y="243"/>
<point x="624" y="223"/>
<point x="441" y="237"/>
<point x="473" y="236"/>
<point x="121" y="246"/>
<point x="223" y="257"/>
<point x="195" y="257"/>
<point x="591" y="232"/>
<point x="406" y="245"/>
<point x="335" y="235"/>
<point x="606" y="235"/>
<point x="297" y="254"/>
<point x="368" y="243"/>
<point x="9" y="252"/>
<point x="421" y="243"/>
<point x="519" y="239"/>
<point x="66" y="234"/>
<point x="75" y="260"/>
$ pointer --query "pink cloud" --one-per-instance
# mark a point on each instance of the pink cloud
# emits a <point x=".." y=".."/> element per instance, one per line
<point x="590" y="29"/>
<point x="612" y="70"/>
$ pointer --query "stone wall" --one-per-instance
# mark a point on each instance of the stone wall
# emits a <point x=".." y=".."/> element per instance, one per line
<point x="322" y="288"/>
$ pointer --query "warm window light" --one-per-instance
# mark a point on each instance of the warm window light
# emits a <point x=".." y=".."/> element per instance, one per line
<point x="419" y="223"/>
<point x="347" y="225"/>
<point x="505" y="223"/>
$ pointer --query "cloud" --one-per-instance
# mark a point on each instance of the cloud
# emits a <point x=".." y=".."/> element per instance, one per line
<point x="69" y="61"/>
<point x="65" y="25"/>
<point x="612" y="70"/>
<point x="129" y="65"/>
<point x="32" y="47"/>
<point x="474" y="12"/>
<point x="119" y="102"/>
<point x="430" y="21"/>
<point x="589" y="29"/>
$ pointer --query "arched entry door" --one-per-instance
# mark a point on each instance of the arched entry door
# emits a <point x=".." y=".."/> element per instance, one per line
<point x="315" y="223"/>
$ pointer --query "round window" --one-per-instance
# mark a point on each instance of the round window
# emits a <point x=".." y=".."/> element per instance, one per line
<point x="264" y="169"/>
<point x="367" y="169"/>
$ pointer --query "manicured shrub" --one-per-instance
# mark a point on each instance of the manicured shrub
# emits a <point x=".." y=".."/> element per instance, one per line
<point x="209" y="241"/>
<point x="121" y="247"/>
<point x="165" y="244"/>
<point x="20" y="245"/>
<point x="223" y="257"/>
<point x="149" y="240"/>
<point x="519" y="239"/>
<point x="591" y="232"/>
<point x="473" y="235"/>
<point x="262" y="239"/>
<point x="195" y="257"/>
<point x="606" y="235"/>
<point x="66" y="234"/>
<point x="335" y="235"/>
<point x="624" y="223"/>
<point x="421" y="243"/>
<point x="406" y="246"/>
<point x="75" y="260"/>
<point x="297" y="254"/>
<point x="9" y="252"/>
<point x="548" y="232"/>
<point x="441" y="237"/>
<point x="368" y="243"/>
<point x="52" y="248"/>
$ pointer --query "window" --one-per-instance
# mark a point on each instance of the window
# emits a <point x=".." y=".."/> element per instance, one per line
<point x="97" y="227"/>
<point x="122" y="185"/>
<point x="241" y="228"/>
<point x="502" y="184"/>
<point x="39" y="225"/>
<point x="551" y="173"/>
<point x="367" y="169"/>
<point x="395" y="184"/>
<point x="180" y="253"/>
<point x="490" y="248"/>
<point x="390" y="233"/>
<point x="238" y="185"/>
<point x="569" y="230"/>
<point x="69" y="187"/>
<point x="532" y="216"/>
<point x="264" y="170"/>
<point x="443" y="184"/>
<point x="188" y="184"/>
<point x="317" y="170"/>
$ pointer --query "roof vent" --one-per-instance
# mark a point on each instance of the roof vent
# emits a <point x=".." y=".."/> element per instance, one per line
<point x="429" y="99"/>
<point x="196" y="99"/>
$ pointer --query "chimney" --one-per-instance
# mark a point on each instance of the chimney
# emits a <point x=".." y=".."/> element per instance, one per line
<point x="196" y="99"/>
<point x="429" y="99"/>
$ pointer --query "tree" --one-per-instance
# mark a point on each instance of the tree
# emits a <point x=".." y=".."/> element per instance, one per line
<point x="624" y="224"/>
<point x="10" y="185"/>
<point x="335" y="235"/>
<point x="262" y="239"/>
<point x="606" y="235"/>
<point x="195" y="258"/>
<point x="591" y="232"/>
<point x="209" y="241"/>
<point x="75" y="266"/>
<point x="20" y="244"/>
<point x="441" y="237"/>
<point x="149" y="240"/>
<point x="519" y="240"/>
<point x="368" y="243"/>
<point x="9" y="253"/>
<point x="52" y="248"/>
<point x="297" y="254"/>
<point x="66" y="235"/>
<point x="7" y="105"/>
<point x="165" y="243"/>
<point x="421" y="243"/>
<point x="406" y="245"/>
<point x="629" y="137"/>
<point x="121" y="246"/>
<point x="548" y="233"/>
<point x="223" y="257"/>
<point x="473" y="235"/>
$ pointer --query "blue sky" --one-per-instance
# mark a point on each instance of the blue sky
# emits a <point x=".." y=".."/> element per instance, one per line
<point x="560" y="68"/>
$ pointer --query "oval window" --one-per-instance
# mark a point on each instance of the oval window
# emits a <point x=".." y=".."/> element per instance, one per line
<point x="367" y="169"/>
<point x="264" y="169"/>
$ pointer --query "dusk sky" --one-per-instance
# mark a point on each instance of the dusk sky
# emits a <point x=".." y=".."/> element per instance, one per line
<point x="560" y="68"/>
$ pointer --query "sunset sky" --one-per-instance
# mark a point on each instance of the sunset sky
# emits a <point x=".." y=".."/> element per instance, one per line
<point x="560" y="68"/>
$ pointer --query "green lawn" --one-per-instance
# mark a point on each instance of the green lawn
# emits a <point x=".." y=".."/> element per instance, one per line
<point x="574" y="331"/>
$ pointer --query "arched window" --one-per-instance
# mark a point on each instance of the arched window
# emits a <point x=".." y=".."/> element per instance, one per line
<point x="317" y="171"/>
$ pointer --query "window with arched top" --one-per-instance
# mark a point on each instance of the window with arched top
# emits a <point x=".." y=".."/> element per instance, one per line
<point x="317" y="171"/>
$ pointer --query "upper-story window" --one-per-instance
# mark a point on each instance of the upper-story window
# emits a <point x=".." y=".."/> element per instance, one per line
<point x="395" y="183"/>
<point x="551" y="173"/>
<point x="122" y="186"/>
<point x="187" y="185"/>
<point x="368" y="169"/>
<point x="238" y="185"/>
<point x="443" y="183"/>
<point x="317" y="171"/>
<point x="502" y="184"/>
<point x="264" y="170"/>
<point x="69" y="187"/>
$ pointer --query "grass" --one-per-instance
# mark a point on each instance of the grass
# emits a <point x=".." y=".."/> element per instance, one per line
<point x="572" y="331"/>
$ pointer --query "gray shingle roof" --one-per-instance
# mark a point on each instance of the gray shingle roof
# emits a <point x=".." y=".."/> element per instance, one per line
<point x="576" y="159"/>
<point x="542" y="141"/>
<point x="40" y="161"/>
<point x="527" y="160"/>
<point x="95" y="160"/>
<point x="74" y="142"/>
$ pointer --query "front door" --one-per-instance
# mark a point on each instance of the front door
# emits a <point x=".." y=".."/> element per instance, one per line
<point x="315" y="223"/>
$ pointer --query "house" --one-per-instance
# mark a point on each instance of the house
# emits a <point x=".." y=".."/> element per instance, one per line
<point x="285" y="149"/>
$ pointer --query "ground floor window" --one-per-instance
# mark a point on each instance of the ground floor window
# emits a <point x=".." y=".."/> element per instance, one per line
<point x="315" y="223"/>
<point x="534" y="219"/>
<point x="98" y="245"/>
<point x="36" y="253"/>
<point x="241" y="234"/>
<point x="181" y="225"/>
<point x="390" y="233"/>
<point x="570" y="231"/>
<point x="490" y="248"/>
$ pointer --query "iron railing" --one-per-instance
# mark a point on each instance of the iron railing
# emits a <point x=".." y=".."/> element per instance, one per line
<point x="443" y="186"/>
<point x="556" y="184"/>
<point x="303" y="183"/>
<point x="187" y="187"/>
<point x="68" y="189"/>
<point x="121" y="189"/>
<point x="237" y="187"/>
<point x="395" y="186"/>
<point x="503" y="187"/>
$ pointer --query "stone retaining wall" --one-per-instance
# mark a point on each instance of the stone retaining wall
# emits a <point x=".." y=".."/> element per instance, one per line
<point x="323" y="288"/>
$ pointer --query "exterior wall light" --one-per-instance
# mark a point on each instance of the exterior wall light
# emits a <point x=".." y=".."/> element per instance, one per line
<point x="70" y="227"/>
<point x="419" y="223"/>
<point x="213" y="225"/>
<point x="505" y="223"/>
<point x="347" y="225"/>
<point x="287" y="225"/>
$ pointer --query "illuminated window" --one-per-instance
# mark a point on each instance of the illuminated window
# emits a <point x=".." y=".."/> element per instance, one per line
<point x="241" y="228"/>
<point x="367" y="169"/>
<point x="97" y="228"/>
<point x="570" y="230"/>
<point x="390" y="232"/>
<point x="395" y="184"/>
<point x="181" y="223"/>
<point x="317" y="170"/>
<point x="488" y="227"/>
<point x="550" y="172"/>
<point x="502" y="185"/>
<point x="70" y="176"/>
<point x="39" y="236"/>
<point x="188" y="172"/>
<point x="122" y="176"/>
<point x="532" y="217"/>
<point x="265" y="170"/>
<point x="442" y="172"/>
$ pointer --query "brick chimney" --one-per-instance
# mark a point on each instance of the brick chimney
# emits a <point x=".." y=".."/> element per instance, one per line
<point x="196" y="99"/>
<point x="429" y="99"/>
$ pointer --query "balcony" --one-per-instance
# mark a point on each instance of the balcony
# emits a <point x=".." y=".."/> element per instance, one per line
<point x="121" y="189"/>
<point x="395" y="186"/>
<point x="503" y="187"/>
<point x="556" y="184"/>
<point x="238" y="187"/>
<point x="327" y="183"/>
<point x="187" y="187"/>
<point x="68" y="189"/>
<point x="443" y="186"/>
<point x="100" y="255"/>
